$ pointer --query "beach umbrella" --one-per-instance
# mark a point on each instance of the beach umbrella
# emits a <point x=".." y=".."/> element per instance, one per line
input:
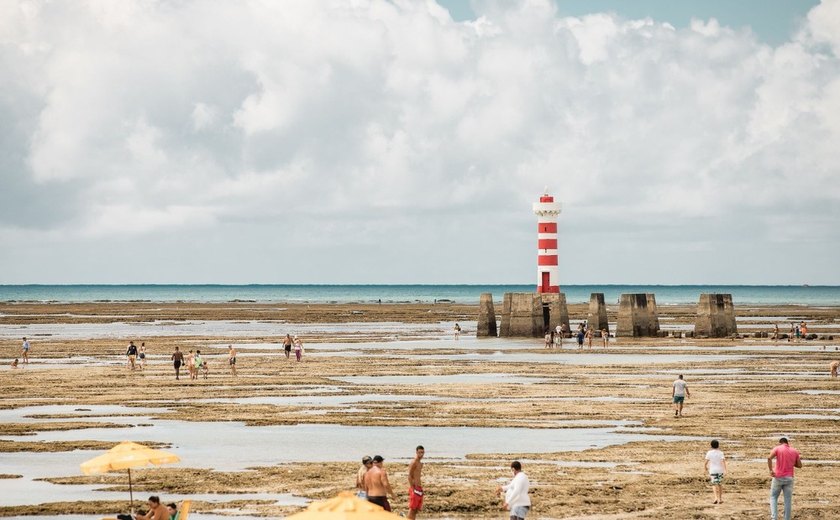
<point x="345" y="506"/>
<point x="127" y="455"/>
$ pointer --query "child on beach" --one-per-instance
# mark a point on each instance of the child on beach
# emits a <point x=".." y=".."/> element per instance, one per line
<point x="14" y="363"/>
<point x="715" y="465"/>
<point x="606" y="336"/>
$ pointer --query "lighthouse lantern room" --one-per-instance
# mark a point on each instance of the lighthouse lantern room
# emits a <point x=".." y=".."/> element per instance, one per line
<point x="548" y="274"/>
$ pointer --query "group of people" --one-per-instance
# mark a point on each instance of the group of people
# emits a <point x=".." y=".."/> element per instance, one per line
<point x="554" y="338"/>
<point x="781" y="463"/>
<point x="156" y="511"/>
<point x="372" y="485"/>
<point x="194" y="361"/>
<point x="372" y="482"/>
<point x="797" y="331"/>
<point x="290" y="343"/>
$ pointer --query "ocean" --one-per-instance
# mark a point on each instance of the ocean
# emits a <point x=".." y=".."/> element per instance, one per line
<point x="665" y="294"/>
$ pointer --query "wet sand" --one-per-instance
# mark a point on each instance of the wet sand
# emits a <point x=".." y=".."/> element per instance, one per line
<point x="428" y="380"/>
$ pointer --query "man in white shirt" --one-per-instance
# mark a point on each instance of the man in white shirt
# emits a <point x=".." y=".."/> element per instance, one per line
<point x="679" y="391"/>
<point x="25" y="350"/>
<point x="715" y="465"/>
<point x="516" y="493"/>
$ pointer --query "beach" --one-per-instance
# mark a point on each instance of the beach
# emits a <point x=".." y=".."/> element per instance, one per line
<point x="594" y="428"/>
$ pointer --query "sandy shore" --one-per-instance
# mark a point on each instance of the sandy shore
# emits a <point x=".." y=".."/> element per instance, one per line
<point x="738" y="387"/>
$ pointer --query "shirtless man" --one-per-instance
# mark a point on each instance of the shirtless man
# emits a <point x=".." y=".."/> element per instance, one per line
<point x="834" y="366"/>
<point x="377" y="485"/>
<point x="232" y="359"/>
<point x="157" y="511"/>
<point x="415" y="487"/>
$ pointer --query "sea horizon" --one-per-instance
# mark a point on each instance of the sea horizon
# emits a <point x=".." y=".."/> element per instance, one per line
<point x="402" y="293"/>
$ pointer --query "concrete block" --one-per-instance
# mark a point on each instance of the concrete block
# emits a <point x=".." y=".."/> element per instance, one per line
<point x="486" y="317"/>
<point x="715" y="316"/>
<point x="637" y="316"/>
<point x="597" y="317"/>
<point x="522" y="315"/>
<point x="558" y="311"/>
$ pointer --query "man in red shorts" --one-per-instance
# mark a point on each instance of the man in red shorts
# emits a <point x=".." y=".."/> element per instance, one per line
<point x="415" y="487"/>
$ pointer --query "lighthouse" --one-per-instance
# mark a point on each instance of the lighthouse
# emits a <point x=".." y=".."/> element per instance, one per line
<point x="548" y="274"/>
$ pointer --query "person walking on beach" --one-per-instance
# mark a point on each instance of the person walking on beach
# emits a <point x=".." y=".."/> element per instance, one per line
<point x="298" y="348"/>
<point x="790" y="334"/>
<point x="775" y="332"/>
<point x="833" y="368"/>
<point x="558" y="335"/>
<point x="605" y="336"/>
<point x="361" y="491"/>
<point x="177" y="361"/>
<point x="131" y="352"/>
<point x="199" y="363"/>
<point x="715" y="466"/>
<point x="589" y="338"/>
<point x="549" y="340"/>
<point x="377" y="485"/>
<point x="803" y="330"/>
<point x="679" y="391"/>
<point x="457" y="331"/>
<point x="516" y="493"/>
<point x="143" y="356"/>
<point x="415" y="486"/>
<point x="191" y="364"/>
<point x="787" y="458"/>
<point x="24" y="351"/>
<point x="232" y="359"/>
<point x="287" y="345"/>
<point x="580" y="335"/>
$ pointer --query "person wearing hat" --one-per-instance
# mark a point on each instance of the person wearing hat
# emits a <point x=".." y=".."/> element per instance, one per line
<point x="298" y="348"/>
<point x="367" y="463"/>
<point x="377" y="486"/>
<point x="787" y="458"/>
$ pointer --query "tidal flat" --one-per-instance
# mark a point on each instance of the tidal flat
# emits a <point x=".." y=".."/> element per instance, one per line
<point x="594" y="427"/>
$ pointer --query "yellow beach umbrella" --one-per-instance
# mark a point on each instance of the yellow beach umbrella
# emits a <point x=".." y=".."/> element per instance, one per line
<point x="127" y="455"/>
<point x="345" y="506"/>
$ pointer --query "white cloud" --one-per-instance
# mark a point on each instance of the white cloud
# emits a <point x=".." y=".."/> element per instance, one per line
<point x="214" y="120"/>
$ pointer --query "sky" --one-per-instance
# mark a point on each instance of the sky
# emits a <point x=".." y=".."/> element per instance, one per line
<point x="368" y="141"/>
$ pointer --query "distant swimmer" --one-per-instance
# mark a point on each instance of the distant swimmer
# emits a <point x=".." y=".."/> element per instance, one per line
<point x="834" y="366"/>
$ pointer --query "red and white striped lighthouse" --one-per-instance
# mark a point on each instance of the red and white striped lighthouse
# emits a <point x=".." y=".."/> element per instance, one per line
<point x="548" y="274"/>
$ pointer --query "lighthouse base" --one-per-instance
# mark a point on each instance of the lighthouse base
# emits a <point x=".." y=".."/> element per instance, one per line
<point x="531" y="315"/>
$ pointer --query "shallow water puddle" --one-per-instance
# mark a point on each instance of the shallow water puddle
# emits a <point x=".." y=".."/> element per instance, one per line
<point x="473" y="379"/>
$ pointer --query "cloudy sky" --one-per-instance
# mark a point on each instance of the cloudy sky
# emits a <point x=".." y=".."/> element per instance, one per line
<point x="368" y="141"/>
